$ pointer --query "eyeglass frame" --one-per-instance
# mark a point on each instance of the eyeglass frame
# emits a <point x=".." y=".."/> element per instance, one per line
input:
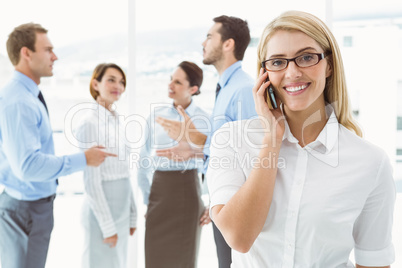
<point x="321" y="56"/>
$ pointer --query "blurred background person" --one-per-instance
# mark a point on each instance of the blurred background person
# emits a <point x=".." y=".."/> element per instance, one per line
<point x="109" y="211"/>
<point x="29" y="169"/>
<point x="224" y="48"/>
<point x="170" y="188"/>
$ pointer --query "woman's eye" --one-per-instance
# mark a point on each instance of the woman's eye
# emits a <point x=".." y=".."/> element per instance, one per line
<point x="307" y="57"/>
<point x="277" y="62"/>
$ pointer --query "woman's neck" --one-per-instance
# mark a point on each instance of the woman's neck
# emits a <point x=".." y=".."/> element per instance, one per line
<point x="306" y="125"/>
<point x="103" y="103"/>
<point x="182" y="103"/>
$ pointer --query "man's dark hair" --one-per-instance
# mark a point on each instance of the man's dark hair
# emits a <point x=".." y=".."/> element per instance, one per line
<point x="237" y="29"/>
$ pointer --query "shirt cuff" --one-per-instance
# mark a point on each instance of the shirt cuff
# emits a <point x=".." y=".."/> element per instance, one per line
<point x="108" y="229"/>
<point x="133" y="221"/>
<point x="383" y="257"/>
<point x="78" y="162"/>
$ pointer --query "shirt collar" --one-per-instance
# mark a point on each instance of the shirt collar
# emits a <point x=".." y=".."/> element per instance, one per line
<point x="225" y="77"/>
<point x="327" y="137"/>
<point x="190" y="110"/>
<point x="103" y="112"/>
<point x="27" y="82"/>
<point x="287" y="135"/>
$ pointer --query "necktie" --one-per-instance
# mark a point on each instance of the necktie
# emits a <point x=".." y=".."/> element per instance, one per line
<point x="218" y="88"/>
<point x="42" y="100"/>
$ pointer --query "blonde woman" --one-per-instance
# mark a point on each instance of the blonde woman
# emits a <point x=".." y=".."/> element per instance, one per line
<point x="314" y="189"/>
<point x="109" y="212"/>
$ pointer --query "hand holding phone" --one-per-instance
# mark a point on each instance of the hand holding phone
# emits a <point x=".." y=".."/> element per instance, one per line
<point x="271" y="97"/>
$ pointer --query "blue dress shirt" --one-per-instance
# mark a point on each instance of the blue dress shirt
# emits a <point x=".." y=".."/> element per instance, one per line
<point x="155" y="137"/>
<point x="235" y="101"/>
<point x="28" y="166"/>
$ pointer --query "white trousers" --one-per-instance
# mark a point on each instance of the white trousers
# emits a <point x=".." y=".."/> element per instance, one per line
<point x="96" y="253"/>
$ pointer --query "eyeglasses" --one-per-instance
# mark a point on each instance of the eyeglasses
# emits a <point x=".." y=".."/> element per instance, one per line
<point x="303" y="61"/>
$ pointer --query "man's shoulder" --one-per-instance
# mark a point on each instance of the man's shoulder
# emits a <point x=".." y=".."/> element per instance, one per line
<point x="14" y="94"/>
<point x="198" y="111"/>
<point x="242" y="86"/>
<point x="241" y="74"/>
<point x="241" y="80"/>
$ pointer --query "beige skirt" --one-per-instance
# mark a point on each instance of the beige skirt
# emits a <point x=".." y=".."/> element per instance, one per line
<point x="172" y="232"/>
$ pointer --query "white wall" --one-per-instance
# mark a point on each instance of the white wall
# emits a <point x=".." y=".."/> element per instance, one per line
<point x="371" y="66"/>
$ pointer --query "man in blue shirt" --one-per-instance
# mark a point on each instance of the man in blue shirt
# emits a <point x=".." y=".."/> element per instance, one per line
<point x="224" y="48"/>
<point x="28" y="167"/>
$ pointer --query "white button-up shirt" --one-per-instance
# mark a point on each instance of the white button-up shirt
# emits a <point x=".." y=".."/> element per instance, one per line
<point x="334" y="195"/>
<point x="157" y="138"/>
<point x="101" y="127"/>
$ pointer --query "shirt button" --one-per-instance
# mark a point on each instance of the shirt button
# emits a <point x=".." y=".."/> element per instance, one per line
<point x="290" y="246"/>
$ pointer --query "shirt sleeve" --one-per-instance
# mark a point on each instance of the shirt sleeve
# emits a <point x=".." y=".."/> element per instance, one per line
<point x="372" y="230"/>
<point x="133" y="212"/>
<point x="21" y="143"/>
<point x="202" y="122"/>
<point x="224" y="175"/>
<point x="145" y="170"/>
<point x="88" y="133"/>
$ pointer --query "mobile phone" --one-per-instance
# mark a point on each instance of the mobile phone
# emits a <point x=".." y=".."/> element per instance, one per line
<point x="271" y="97"/>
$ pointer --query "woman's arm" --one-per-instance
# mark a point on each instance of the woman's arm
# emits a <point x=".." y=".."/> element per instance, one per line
<point x="133" y="213"/>
<point x="145" y="168"/>
<point x="86" y="133"/>
<point x="183" y="130"/>
<point x="372" y="230"/>
<point x="242" y="218"/>
<point x="133" y="210"/>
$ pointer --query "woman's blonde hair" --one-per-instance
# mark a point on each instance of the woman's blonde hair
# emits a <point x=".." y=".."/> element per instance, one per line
<point x="335" y="91"/>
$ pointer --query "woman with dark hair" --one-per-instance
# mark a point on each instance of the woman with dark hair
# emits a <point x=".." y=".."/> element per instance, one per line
<point x="171" y="189"/>
<point x="109" y="211"/>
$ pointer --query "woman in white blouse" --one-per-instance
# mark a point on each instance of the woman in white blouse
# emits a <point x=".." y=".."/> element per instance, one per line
<point x="171" y="189"/>
<point x="109" y="212"/>
<point x="302" y="188"/>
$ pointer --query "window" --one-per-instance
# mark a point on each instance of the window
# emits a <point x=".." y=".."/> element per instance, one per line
<point x="399" y="123"/>
<point x="347" y="41"/>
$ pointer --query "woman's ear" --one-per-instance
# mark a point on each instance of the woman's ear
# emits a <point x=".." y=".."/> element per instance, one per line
<point x="193" y="89"/>
<point x="95" y="84"/>
<point x="328" y="71"/>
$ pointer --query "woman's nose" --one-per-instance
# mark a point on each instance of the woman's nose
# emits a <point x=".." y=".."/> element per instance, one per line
<point x="292" y="71"/>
